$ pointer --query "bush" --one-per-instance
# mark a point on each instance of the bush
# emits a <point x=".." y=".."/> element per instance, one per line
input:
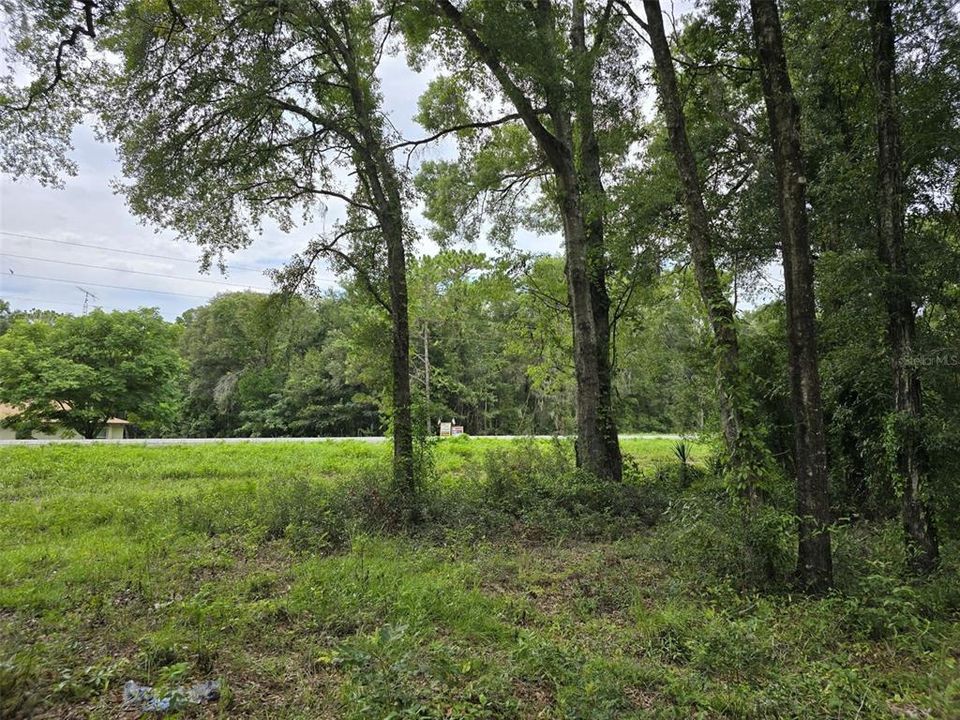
<point x="530" y="488"/>
<point x="712" y="541"/>
<point x="883" y="608"/>
<point x="540" y="487"/>
<point x="311" y="515"/>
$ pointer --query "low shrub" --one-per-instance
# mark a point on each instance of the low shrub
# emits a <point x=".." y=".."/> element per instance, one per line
<point x="883" y="608"/>
<point x="312" y="515"/>
<point x="530" y="488"/>
<point x="712" y="541"/>
<point x="387" y="673"/>
<point x="19" y="687"/>
<point x="536" y="488"/>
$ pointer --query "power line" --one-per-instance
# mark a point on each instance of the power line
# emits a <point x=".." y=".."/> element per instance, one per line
<point x="113" y="287"/>
<point x="135" y="252"/>
<point x="116" y="250"/>
<point x="41" y="300"/>
<point x="135" y="272"/>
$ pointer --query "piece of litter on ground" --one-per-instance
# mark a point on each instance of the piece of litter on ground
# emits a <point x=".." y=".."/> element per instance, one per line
<point x="143" y="697"/>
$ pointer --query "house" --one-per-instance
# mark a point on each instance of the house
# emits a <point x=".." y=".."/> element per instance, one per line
<point x="115" y="428"/>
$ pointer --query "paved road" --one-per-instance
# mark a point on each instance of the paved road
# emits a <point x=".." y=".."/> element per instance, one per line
<point x="236" y="441"/>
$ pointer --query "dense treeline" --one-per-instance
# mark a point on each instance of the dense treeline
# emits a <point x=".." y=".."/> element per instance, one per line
<point x="494" y="337"/>
<point x="813" y="141"/>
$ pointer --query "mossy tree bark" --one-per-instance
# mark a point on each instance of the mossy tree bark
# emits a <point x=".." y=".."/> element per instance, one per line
<point x="814" y="557"/>
<point x="909" y="457"/>
<point x="746" y="459"/>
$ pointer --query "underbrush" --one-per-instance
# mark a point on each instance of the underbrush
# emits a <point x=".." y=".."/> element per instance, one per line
<point x="536" y="491"/>
<point x="533" y="489"/>
<point x="526" y="589"/>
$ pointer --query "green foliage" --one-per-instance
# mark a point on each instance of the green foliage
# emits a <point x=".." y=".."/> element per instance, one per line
<point x="664" y="360"/>
<point x="528" y="588"/>
<point x="537" y="488"/>
<point x="81" y="371"/>
<point x="716" y="542"/>
<point x="489" y="197"/>
<point x="91" y="681"/>
<point x="442" y="104"/>
<point x="884" y="607"/>
<point x="499" y="350"/>
<point x="527" y="592"/>
<point x="263" y="365"/>
<point x="20" y="692"/>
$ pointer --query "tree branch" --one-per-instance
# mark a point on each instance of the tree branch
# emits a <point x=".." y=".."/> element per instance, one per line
<point x="479" y="125"/>
<point x="600" y="32"/>
<point x="550" y="144"/>
<point x="625" y="6"/>
<point x="88" y="29"/>
<point x="317" y="120"/>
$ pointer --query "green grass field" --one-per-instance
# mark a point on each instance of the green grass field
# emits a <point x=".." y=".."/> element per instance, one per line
<point x="267" y="567"/>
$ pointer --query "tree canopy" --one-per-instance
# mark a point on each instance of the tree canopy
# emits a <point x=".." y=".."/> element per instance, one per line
<point x="78" y="372"/>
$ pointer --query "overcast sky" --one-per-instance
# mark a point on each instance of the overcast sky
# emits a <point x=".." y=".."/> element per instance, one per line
<point x="91" y="226"/>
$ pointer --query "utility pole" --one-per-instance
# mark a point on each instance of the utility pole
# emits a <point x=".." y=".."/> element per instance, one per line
<point x="86" y="297"/>
<point x="426" y="373"/>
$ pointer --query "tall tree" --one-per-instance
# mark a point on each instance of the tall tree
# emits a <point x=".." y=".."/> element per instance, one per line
<point x="814" y="558"/>
<point x="228" y="115"/>
<point x="78" y="372"/>
<point x="250" y="113"/>
<point x="911" y="466"/>
<point x="746" y="456"/>
<point x="546" y="66"/>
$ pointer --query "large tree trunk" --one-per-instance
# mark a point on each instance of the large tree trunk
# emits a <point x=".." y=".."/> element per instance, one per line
<point x="814" y="560"/>
<point x="598" y="444"/>
<point x="911" y="466"/>
<point x="384" y="186"/>
<point x="403" y="470"/>
<point x="381" y="184"/>
<point x="745" y="460"/>
<point x="580" y="203"/>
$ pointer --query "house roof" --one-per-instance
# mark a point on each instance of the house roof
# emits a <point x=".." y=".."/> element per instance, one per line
<point x="10" y="410"/>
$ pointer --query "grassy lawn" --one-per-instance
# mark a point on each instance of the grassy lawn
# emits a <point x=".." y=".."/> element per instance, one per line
<point x="252" y="564"/>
